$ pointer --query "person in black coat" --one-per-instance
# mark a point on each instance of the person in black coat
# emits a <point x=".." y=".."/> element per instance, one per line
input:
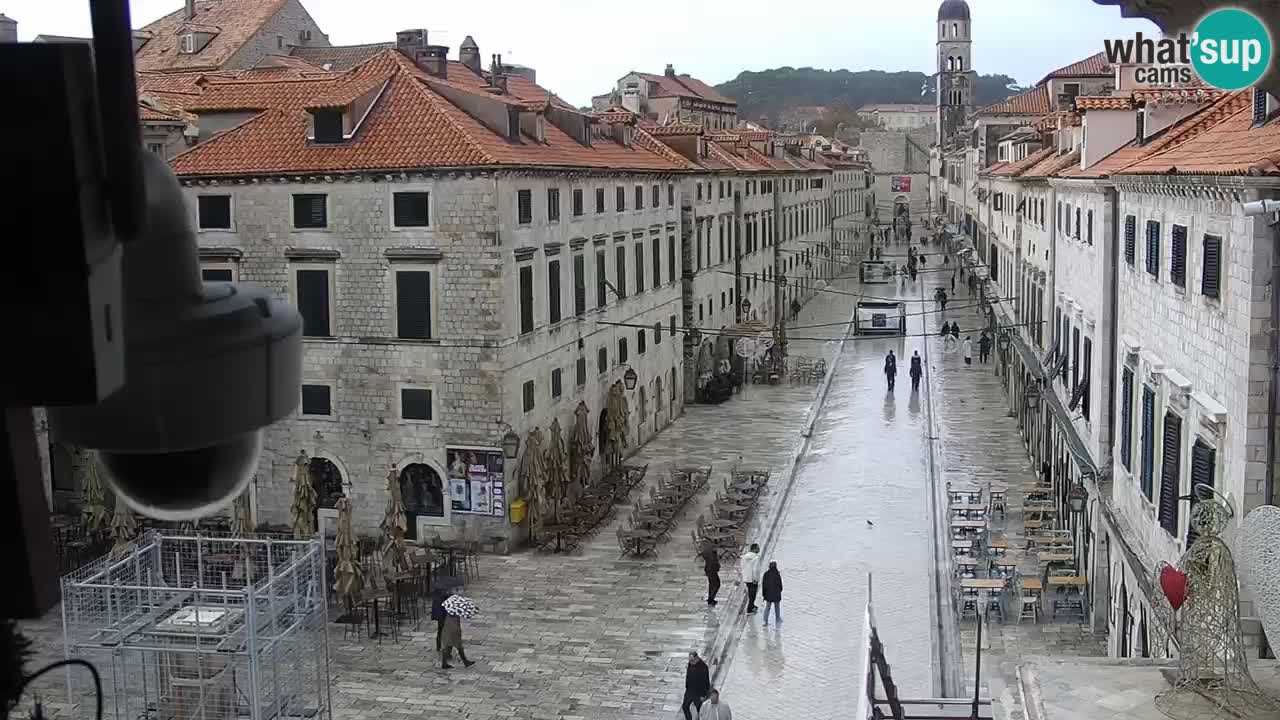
<point x="890" y="369"/>
<point x="917" y="370"/>
<point x="438" y="595"/>
<point x="711" y="566"/>
<point x="771" y="591"/>
<point x="697" y="684"/>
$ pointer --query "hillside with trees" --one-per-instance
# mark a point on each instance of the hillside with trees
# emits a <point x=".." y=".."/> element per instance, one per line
<point x="768" y="93"/>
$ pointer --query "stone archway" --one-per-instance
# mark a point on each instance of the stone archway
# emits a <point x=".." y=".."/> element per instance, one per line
<point x="327" y="481"/>
<point x="423" y="493"/>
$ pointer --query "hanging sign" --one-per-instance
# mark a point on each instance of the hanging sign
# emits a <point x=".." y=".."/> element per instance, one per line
<point x="477" y="481"/>
<point x="901" y="183"/>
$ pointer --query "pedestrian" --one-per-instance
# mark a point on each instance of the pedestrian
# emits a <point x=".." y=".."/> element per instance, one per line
<point x="953" y="282"/>
<point x="916" y="371"/>
<point x="943" y="299"/>
<point x="749" y="571"/>
<point x="955" y="331"/>
<point x="771" y="591"/>
<point x="711" y="566"/>
<point x="967" y="349"/>
<point x="890" y="369"/>
<point x="438" y="595"/>
<point x="697" y="683"/>
<point x="714" y="708"/>
<point x="451" y="639"/>
<point x="984" y="347"/>
<point x="795" y="309"/>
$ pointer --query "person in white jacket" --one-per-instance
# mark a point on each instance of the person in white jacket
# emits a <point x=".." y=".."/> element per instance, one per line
<point x="715" y="708"/>
<point x="749" y="569"/>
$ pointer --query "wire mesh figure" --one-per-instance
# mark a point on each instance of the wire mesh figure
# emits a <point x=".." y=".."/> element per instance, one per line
<point x="1213" y="670"/>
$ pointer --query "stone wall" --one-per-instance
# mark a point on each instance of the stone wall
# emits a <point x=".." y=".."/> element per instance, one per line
<point x="279" y="33"/>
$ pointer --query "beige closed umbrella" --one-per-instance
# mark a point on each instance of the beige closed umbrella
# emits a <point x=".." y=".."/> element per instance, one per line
<point x="618" y="419"/>
<point x="348" y="574"/>
<point x="241" y="516"/>
<point x="557" y="469"/>
<point x="533" y="475"/>
<point x="303" y="510"/>
<point x="123" y="528"/>
<point x="581" y="448"/>
<point x="395" y="552"/>
<point x="93" y="503"/>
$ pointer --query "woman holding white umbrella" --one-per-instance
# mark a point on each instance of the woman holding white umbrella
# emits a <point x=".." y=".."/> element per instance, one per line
<point x="456" y="607"/>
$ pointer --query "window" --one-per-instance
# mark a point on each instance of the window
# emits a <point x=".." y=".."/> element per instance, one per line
<point x="1087" y="372"/>
<point x="1075" y="359"/>
<point x="620" y="271"/>
<point x="524" y="206"/>
<point x="1076" y="235"/>
<point x="553" y="291"/>
<point x="1259" y="107"/>
<point x="314" y="301"/>
<point x="639" y="268"/>
<point x="639" y="197"/>
<point x="641" y="341"/>
<point x="526" y="299"/>
<point x="415" y="404"/>
<point x="699" y="192"/>
<point x="1178" y="256"/>
<point x="671" y="259"/>
<point x="413" y="304"/>
<point x="316" y="400"/>
<point x="671" y="194"/>
<point x="1211" y="272"/>
<point x="553" y="205"/>
<point x="1126" y="418"/>
<point x="622" y="350"/>
<point x="217" y="274"/>
<point x="580" y="370"/>
<point x="721" y="242"/>
<point x="657" y="333"/>
<point x="657" y="261"/>
<point x="557" y="380"/>
<point x="1140" y="127"/>
<point x="411" y="209"/>
<point x="599" y="200"/>
<point x="1130" y="238"/>
<point x="579" y="285"/>
<point x="1204" y="462"/>
<point x="657" y="196"/>
<point x="156" y="149"/>
<point x="577" y="202"/>
<point x="602" y="295"/>
<point x="527" y="395"/>
<point x="1170" y="473"/>
<point x="1153" y="248"/>
<point x="1088" y="230"/>
<point x="1148" y="439"/>
<point x="602" y="360"/>
<point x="621" y="194"/>
<point x="214" y="212"/>
<point x="671" y="320"/>
<point x="310" y="210"/>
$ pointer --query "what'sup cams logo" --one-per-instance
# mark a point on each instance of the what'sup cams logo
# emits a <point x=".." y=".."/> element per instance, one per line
<point x="1230" y="50"/>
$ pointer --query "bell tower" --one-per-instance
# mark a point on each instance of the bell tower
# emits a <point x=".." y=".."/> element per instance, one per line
<point x="955" y="70"/>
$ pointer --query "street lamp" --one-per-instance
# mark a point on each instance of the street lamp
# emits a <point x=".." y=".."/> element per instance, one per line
<point x="510" y="443"/>
<point x="746" y="306"/>
<point x="1077" y="497"/>
<point x="695" y="336"/>
<point x="1032" y="397"/>
<point x="630" y="378"/>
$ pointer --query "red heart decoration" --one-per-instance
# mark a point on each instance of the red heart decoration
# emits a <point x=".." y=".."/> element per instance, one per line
<point x="1174" y="583"/>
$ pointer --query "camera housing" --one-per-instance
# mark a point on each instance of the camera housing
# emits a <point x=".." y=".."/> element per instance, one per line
<point x="207" y="367"/>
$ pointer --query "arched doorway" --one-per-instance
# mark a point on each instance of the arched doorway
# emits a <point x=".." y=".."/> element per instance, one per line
<point x="1125" y="620"/>
<point x="602" y="432"/>
<point x="657" y="403"/>
<point x="422" y="492"/>
<point x="327" y="481"/>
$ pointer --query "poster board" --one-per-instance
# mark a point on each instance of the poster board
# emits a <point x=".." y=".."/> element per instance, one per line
<point x="901" y="184"/>
<point x="477" y="481"/>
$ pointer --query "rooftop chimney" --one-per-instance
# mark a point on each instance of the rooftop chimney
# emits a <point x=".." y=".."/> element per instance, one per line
<point x="497" y="81"/>
<point x="469" y="55"/>
<point x="191" y="9"/>
<point x="411" y="42"/>
<point x="433" y="60"/>
<point x="670" y="71"/>
<point x="8" y="29"/>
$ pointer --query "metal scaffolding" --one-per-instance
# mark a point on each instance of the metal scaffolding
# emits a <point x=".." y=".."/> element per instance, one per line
<point x="202" y="627"/>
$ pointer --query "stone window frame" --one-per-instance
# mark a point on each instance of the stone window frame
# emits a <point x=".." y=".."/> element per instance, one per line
<point x="229" y="264"/>
<point x="435" y="403"/>
<point x="328" y="211"/>
<point x="333" y="404"/>
<point x="394" y="267"/>
<point x="231" y="212"/>
<point x="330" y="267"/>
<point x="416" y="231"/>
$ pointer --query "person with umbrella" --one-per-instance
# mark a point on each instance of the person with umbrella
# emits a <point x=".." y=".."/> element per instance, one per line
<point x="444" y="587"/>
<point x="456" y="607"/>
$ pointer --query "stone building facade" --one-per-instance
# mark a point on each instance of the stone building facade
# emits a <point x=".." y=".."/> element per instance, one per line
<point x="671" y="98"/>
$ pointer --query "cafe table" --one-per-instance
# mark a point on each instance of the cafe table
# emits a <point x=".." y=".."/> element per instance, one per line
<point x="982" y="584"/>
<point x="1052" y="557"/>
<point x="969" y="524"/>
<point x="964" y="546"/>
<point x="968" y="509"/>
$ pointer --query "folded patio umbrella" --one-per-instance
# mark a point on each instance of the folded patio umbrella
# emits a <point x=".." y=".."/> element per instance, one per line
<point x="460" y="606"/>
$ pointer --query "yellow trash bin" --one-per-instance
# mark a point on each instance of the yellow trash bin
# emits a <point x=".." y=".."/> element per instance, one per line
<point x="518" y="510"/>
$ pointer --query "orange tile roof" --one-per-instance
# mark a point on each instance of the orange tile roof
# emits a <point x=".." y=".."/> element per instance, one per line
<point x="1051" y="165"/>
<point x="235" y="21"/>
<point x="685" y="86"/>
<point x="339" y="57"/>
<point x="410" y="127"/>
<point x="1092" y="66"/>
<point x="1018" y="167"/>
<point x="272" y="62"/>
<point x="1220" y="140"/>
<point x="1104" y="102"/>
<point x="1028" y="102"/>
<point x="1177" y="95"/>
<point x="993" y="169"/>
<point x="661" y="130"/>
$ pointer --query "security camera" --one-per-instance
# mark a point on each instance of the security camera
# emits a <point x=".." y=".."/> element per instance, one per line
<point x="1261" y="207"/>
<point x="207" y="367"/>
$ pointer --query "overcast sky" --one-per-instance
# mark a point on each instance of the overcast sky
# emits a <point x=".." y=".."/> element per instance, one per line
<point x="581" y="47"/>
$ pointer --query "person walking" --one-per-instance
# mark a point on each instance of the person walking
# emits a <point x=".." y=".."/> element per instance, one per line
<point x="711" y="566"/>
<point x="771" y="592"/>
<point x="697" y="683"/>
<point x="942" y="299"/>
<point x="890" y="369"/>
<point x="438" y="596"/>
<point x="984" y="347"/>
<point x="451" y="639"/>
<point x="749" y="571"/>
<point x="955" y="331"/>
<point x="967" y="350"/>
<point x="953" y="282"/>
<point x="715" y="708"/>
<point x="917" y="370"/>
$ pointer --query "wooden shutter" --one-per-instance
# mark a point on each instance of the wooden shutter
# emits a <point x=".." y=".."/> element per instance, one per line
<point x="577" y="203"/>
<point x="526" y="299"/>
<point x="1204" y="461"/>
<point x="657" y="259"/>
<point x="553" y="291"/>
<point x="1075" y="359"/>
<point x="309" y="211"/>
<point x="1178" y="256"/>
<point x="1076" y="235"/>
<point x="580" y="368"/>
<point x="1259" y="106"/>
<point x="671" y="258"/>
<point x="1088" y="228"/>
<point x="553" y="204"/>
<point x="527" y="395"/>
<point x="1126" y="419"/>
<point x="410" y="209"/>
<point x="1148" y="440"/>
<point x="620" y="272"/>
<point x="1153" y="248"/>
<point x="316" y="400"/>
<point x="1211" y="275"/>
<point x="214" y="212"/>
<point x="415" y="404"/>
<point x="413" y="304"/>
<point x="579" y="284"/>
<point x="557" y="382"/>
<point x="313" y="302"/>
<point x="1130" y="237"/>
<point x="1170" y="473"/>
<point x="621" y="196"/>
<point x="524" y="206"/>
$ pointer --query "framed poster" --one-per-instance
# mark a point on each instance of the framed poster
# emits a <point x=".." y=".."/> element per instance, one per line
<point x="901" y="183"/>
<point x="477" y="480"/>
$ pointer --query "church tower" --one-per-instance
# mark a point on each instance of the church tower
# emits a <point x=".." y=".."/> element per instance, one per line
<point x="955" y="71"/>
